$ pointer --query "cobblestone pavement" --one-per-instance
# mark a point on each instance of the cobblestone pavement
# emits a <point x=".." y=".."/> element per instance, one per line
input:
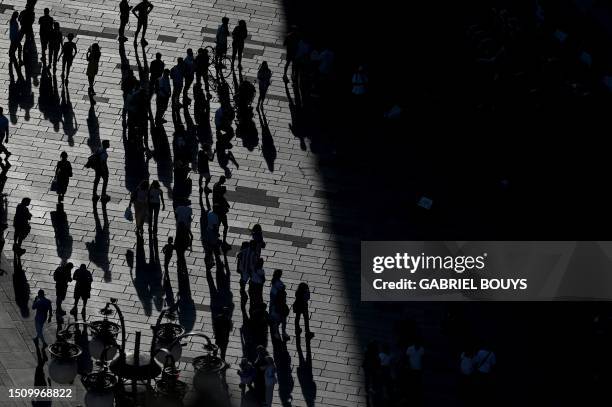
<point x="289" y="201"/>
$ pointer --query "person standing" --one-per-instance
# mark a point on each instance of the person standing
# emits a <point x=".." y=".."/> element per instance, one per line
<point x="124" y="18"/>
<point x="63" y="172"/>
<point x="291" y="42"/>
<point x="177" y="74"/>
<point x="221" y="42"/>
<point x="204" y="157"/>
<point x="44" y="312"/>
<point x="21" y="223"/>
<point x="46" y="28"/>
<point x="220" y="204"/>
<point x="156" y="70"/>
<point x="263" y="79"/>
<point x="257" y="238"/>
<point x="69" y="51"/>
<point x="93" y="62"/>
<point x="156" y="196"/>
<point x="141" y="11"/>
<point x="26" y="19"/>
<point x="4" y="134"/>
<point x="55" y="44"/>
<point x="15" y="38"/>
<point x="279" y="311"/>
<point x="163" y="97"/>
<point x="62" y="276"/>
<point x="270" y="380"/>
<point x="98" y="162"/>
<point x="300" y="308"/>
<point x="202" y="62"/>
<point x="82" y="289"/>
<point x="239" y="36"/>
<point x="256" y="284"/>
<point x="140" y="199"/>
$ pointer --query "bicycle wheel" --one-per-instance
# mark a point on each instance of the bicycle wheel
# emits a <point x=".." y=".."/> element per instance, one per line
<point x="227" y="62"/>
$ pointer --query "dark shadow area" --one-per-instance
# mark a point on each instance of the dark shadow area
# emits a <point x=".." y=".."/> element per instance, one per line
<point x="147" y="277"/>
<point x="21" y="287"/>
<point x="99" y="247"/>
<point x="49" y="99"/>
<point x="479" y="135"/>
<point x="304" y="373"/>
<point x="282" y="359"/>
<point x="61" y="228"/>
<point x="268" y="149"/>
<point x="69" y="118"/>
<point x="40" y="378"/>
<point x="93" y="127"/>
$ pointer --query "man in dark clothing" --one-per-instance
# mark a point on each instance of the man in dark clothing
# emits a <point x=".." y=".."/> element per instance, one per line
<point x="124" y="18"/>
<point x="220" y="205"/>
<point x="21" y="223"/>
<point x="202" y="62"/>
<point x="44" y="311"/>
<point x="141" y="11"/>
<point x="46" y="28"/>
<point x="26" y="19"/>
<point x="82" y="290"/>
<point x="156" y="71"/>
<point x="62" y="276"/>
<point x="239" y="36"/>
<point x="291" y="43"/>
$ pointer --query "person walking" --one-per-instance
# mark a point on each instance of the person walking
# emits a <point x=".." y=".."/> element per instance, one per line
<point x="62" y="276"/>
<point x="167" y="250"/>
<point x="140" y="199"/>
<point x="279" y="311"/>
<point x="4" y="134"/>
<point x="163" y="97"/>
<point x="300" y="308"/>
<point x="98" y="162"/>
<point x="93" y="62"/>
<point x="156" y="196"/>
<point x="202" y="63"/>
<point x="124" y="18"/>
<point x="239" y="36"/>
<point x="177" y="74"/>
<point x="188" y="72"/>
<point x="141" y="11"/>
<point x="63" y="172"/>
<point x="204" y="157"/>
<point x="21" y="224"/>
<point x="220" y="204"/>
<point x="270" y="380"/>
<point x="44" y="312"/>
<point x="55" y="45"/>
<point x="257" y="238"/>
<point x="256" y="284"/>
<point x="69" y="51"/>
<point x="26" y="19"/>
<point x="156" y="70"/>
<point x="82" y="289"/>
<point x="291" y="42"/>
<point x="46" y="27"/>
<point x="221" y="42"/>
<point x="15" y="39"/>
<point x="263" y="79"/>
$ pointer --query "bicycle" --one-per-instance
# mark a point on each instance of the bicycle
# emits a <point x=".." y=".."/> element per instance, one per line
<point x="224" y="65"/>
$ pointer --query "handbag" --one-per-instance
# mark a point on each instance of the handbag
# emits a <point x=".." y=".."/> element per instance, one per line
<point x="128" y="213"/>
<point x="54" y="185"/>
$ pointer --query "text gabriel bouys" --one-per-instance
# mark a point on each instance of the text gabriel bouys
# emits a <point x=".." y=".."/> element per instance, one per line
<point x="453" y="284"/>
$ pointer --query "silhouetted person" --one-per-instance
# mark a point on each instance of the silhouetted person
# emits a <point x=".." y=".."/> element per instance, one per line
<point x="44" y="312"/>
<point x="264" y="75"/>
<point x="55" y="44"/>
<point x="46" y="27"/>
<point x="4" y="134"/>
<point x="270" y="380"/>
<point x="26" y="19"/>
<point x="156" y="197"/>
<point x="163" y="97"/>
<point x="177" y="73"/>
<point x="291" y="42"/>
<point x="140" y="200"/>
<point x="224" y="156"/>
<point x="141" y="11"/>
<point x="239" y="36"/>
<point x="279" y="310"/>
<point x="63" y="172"/>
<point x="62" y="276"/>
<point x="204" y="157"/>
<point x="124" y="18"/>
<point x="300" y="308"/>
<point x="256" y="284"/>
<point x="188" y="72"/>
<point x="156" y="70"/>
<point x="93" y="63"/>
<point x="246" y="374"/>
<point x="168" y="250"/>
<point x="257" y="239"/>
<point x="15" y="38"/>
<point x="98" y="162"/>
<point x="260" y="365"/>
<point x="82" y="289"/>
<point x="202" y="63"/>
<point x="21" y="224"/>
<point x="220" y="204"/>
<point x="221" y="42"/>
<point x="69" y="50"/>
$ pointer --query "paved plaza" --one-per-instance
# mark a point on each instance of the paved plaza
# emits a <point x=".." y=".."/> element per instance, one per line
<point x="288" y="198"/>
